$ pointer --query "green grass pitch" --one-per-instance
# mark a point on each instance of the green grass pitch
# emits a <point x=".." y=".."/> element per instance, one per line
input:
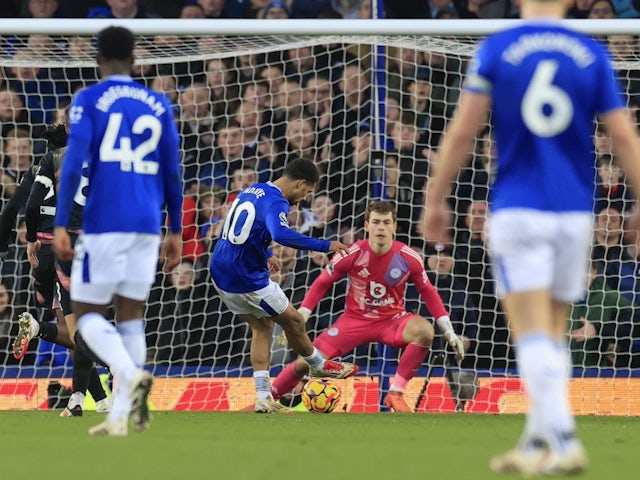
<point x="248" y="446"/>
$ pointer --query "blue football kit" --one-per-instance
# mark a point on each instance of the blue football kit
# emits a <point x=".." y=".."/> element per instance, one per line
<point x="560" y="80"/>
<point x="257" y="216"/>
<point x="126" y="136"/>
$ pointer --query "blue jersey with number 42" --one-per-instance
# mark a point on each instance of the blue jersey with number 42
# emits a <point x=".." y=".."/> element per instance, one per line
<point x="128" y="138"/>
<point x="547" y="84"/>
<point x="257" y="216"/>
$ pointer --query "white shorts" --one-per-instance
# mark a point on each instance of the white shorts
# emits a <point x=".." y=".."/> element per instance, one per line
<point x="533" y="250"/>
<point x="109" y="264"/>
<point x="266" y="302"/>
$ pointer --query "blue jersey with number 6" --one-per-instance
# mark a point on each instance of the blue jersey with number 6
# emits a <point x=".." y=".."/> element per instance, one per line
<point x="257" y="216"/>
<point x="127" y="136"/>
<point x="547" y="84"/>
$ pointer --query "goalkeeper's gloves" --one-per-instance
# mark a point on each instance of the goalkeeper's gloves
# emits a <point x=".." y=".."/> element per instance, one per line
<point x="444" y="324"/>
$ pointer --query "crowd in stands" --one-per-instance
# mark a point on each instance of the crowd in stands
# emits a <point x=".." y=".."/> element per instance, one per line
<point x="243" y="117"/>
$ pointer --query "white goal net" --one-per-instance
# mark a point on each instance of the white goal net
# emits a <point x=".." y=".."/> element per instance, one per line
<point x="366" y="101"/>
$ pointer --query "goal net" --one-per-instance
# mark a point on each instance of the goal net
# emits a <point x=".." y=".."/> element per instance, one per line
<point x="368" y="102"/>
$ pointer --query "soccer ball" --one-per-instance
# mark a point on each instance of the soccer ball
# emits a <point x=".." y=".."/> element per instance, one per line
<point x="320" y="396"/>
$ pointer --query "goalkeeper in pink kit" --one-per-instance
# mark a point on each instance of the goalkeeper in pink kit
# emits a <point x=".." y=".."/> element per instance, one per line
<point x="378" y="270"/>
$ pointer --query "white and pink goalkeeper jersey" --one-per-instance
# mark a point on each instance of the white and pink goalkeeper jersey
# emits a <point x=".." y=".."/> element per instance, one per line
<point x="377" y="282"/>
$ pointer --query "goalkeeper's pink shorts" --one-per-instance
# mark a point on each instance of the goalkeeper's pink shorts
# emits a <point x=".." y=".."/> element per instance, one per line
<point x="351" y="331"/>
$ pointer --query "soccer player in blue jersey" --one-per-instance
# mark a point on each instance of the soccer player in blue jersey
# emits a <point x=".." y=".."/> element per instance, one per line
<point x="545" y="85"/>
<point x="240" y="267"/>
<point x="126" y="135"/>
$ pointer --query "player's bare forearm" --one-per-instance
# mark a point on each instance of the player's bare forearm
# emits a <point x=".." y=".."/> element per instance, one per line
<point x="172" y="251"/>
<point x="455" y="150"/>
<point x="62" y="244"/>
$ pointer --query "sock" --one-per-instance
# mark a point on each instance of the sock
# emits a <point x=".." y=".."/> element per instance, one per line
<point x="315" y="360"/>
<point x="48" y="331"/>
<point x="543" y="368"/>
<point x="132" y="333"/>
<point x="561" y="422"/>
<point x="529" y="355"/>
<point x="77" y="398"/>
<point x="285" y="381"/>
<point x="565" y="352"/>
<point x="263" y="385"/>
<point x="82" y="366"/>
<point x="409" y="363"/>
<point x="95" y="386"/>
<point x="103" y="339"/>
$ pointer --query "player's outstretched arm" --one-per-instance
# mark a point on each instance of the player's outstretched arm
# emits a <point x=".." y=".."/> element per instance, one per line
<point x="339" y="247"/>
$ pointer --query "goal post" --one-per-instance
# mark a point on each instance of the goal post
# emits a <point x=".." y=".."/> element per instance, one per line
<point x="367" y="100"/>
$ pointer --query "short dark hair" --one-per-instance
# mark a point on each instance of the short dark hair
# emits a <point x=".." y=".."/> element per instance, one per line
<point x="302" y="169"/>
<point x="116" y="43"/>
<point x="382" y="207"/>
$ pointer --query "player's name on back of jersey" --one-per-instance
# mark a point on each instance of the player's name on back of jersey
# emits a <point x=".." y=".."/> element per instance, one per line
<point x="111" y="94"/>
<point x="258" y="192"/>
<point x="549" y="41"/>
